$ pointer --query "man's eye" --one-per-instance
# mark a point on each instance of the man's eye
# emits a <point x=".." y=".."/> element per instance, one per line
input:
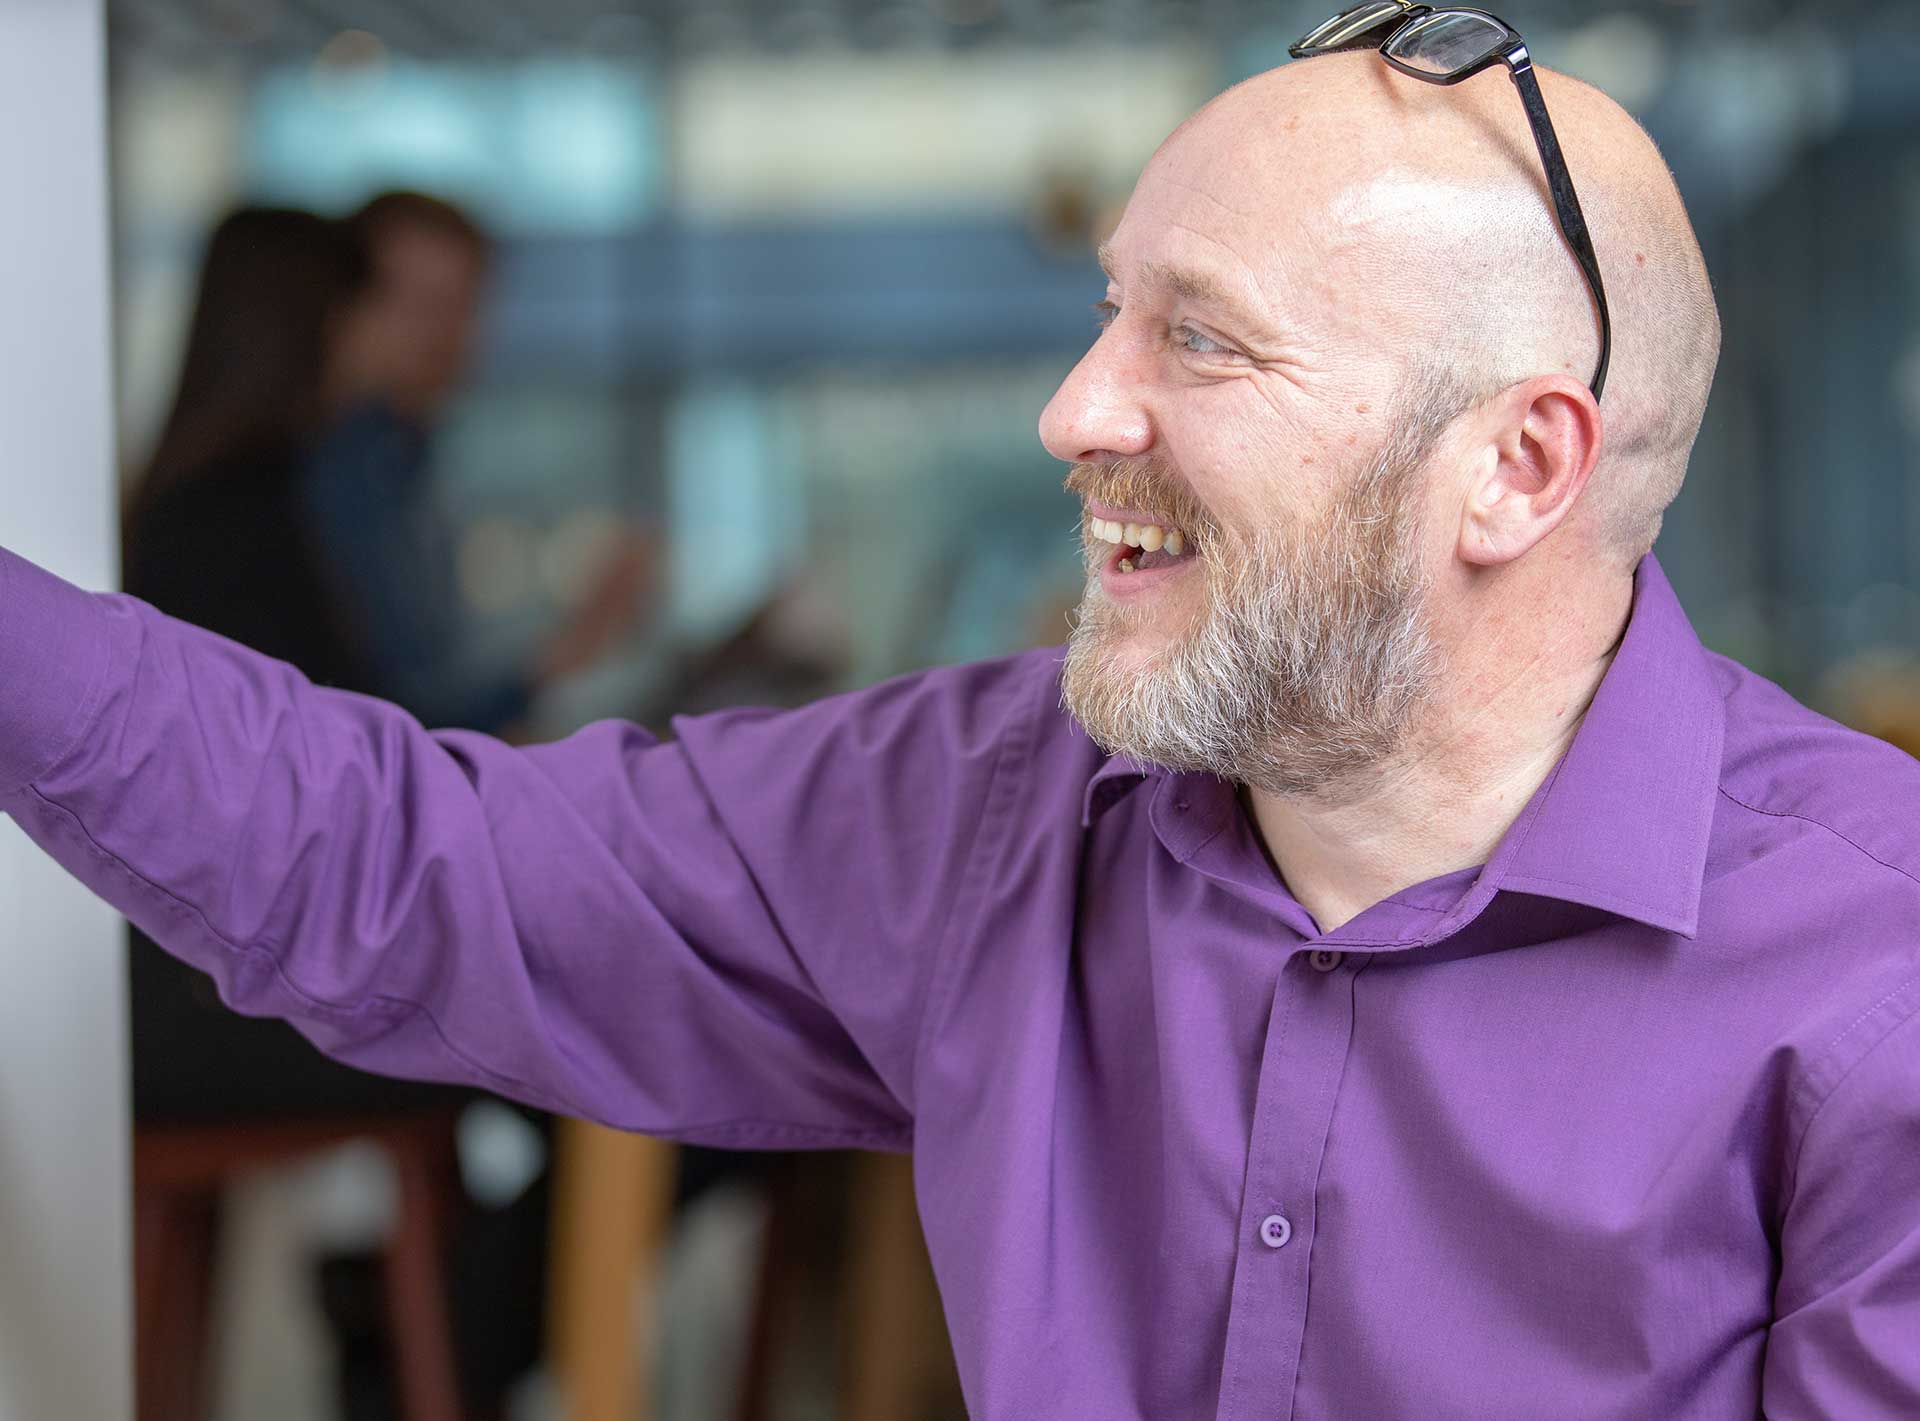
<point x="1107" y="312"/>
<point x="1199" y="344"/>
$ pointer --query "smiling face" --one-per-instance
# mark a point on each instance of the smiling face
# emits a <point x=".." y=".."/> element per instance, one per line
<point x="1343" y="382"/>
<point x="1244" y="414"/>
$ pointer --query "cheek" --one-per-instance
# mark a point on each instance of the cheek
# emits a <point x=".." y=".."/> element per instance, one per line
<point x="1252" y="467"/>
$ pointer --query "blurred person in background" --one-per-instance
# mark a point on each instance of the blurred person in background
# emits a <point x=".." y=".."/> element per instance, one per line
<point x="386" y="541"/>
<point x="215" y="529"/>
<point x="292" y="337"/>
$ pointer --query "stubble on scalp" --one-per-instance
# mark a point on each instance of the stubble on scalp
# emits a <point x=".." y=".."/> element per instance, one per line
<point x="1312" y="654"/>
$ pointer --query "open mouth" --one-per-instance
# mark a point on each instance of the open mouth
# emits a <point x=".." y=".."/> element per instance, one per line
<point x="1141" y="547"/>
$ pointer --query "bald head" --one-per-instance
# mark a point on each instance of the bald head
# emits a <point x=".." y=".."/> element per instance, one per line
<point x="1414" y="222"/>
<point x="1347" y="362"/>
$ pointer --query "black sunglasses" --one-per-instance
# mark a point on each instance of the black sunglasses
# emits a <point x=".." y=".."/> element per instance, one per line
<point x="1445" y="46"/>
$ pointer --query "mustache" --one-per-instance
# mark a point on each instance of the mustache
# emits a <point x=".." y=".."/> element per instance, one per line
<point x="1148" y="484"/>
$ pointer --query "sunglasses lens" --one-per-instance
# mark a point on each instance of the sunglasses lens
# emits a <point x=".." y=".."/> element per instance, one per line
<point x="1351" y="27"/>
<point x="1448" y="41"/>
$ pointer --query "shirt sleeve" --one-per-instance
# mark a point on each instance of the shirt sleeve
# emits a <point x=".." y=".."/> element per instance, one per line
<point x="726" y="938"/>
<point x="1845" y="1340"/>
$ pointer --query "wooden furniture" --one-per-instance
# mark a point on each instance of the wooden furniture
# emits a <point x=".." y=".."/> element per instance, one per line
<point x="179" y="1173"/>
<point x="613" y="1201"/>
<point x="897" y="1358"/>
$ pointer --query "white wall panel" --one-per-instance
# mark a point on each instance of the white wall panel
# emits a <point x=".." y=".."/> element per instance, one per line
<point x="64" y="1232"/>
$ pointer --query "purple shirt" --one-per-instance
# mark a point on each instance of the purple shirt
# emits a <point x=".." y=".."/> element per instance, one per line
<point x="1625" y="1123"/>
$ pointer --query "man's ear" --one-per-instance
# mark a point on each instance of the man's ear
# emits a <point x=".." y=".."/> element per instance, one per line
<point x="1535" y="447"/>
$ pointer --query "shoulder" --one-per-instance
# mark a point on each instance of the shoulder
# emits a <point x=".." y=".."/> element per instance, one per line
<point x="928" y="726"/>
<point x="897" y="795"/>
<point x="1786" y="762"/>
<point x="1816" y="867"/>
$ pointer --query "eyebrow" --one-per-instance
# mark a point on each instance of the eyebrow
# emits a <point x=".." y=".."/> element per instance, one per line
<point x="1196" y="286"/>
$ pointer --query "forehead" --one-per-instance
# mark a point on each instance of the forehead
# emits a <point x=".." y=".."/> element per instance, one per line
<point x="1253" y="219"/>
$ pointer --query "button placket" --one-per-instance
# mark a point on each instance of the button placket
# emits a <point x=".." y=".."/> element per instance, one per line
<point x="1301" y="1062"/>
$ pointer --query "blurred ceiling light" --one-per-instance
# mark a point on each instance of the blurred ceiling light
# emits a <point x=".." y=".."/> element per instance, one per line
<point x="1065" y="209"/>
<point x="623" y="34"/>
<point x="1905" y="377"/>
<point x="970" y="12"/>
<point x="804" y="27"/>
<point x="900" y="26"/>
<point x="243" y="21"/>
<point x="511" y="34"/>
<point x="350" y="63"/>
<point x="713" y="28"/>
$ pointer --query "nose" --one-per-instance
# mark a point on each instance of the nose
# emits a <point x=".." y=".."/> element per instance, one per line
<point x="1098" y="413"/>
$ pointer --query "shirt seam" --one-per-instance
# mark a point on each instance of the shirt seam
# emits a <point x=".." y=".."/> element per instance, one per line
<point x="1243" y="1249"/>
<point x="1319" y="1172"/>
<point x="778" y="924"/>
<point x="978" y="855"/>
<point x="383" y="1001"/>
<point x="1911" y="1014"/>
<point x="1517" y="883"/>
<point x="1820" y="824"/>
<point x="1226" y="822"/>
<point x="90" y="706"/>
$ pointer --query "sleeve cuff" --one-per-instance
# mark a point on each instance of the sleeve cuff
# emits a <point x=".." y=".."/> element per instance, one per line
<point x="56" y="643"/>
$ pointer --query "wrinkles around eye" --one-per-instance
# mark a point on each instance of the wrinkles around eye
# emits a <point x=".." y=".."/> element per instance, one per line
<point x="1181" y="336"/>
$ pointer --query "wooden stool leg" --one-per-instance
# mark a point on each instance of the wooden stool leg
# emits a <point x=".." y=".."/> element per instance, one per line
<point x="774" y="1289"/>
<point x="613" y="1195"/>
<point x="176" y="1233"/>
<point x="417" y="1281"/>
<point x="152" y="1219"/>
<point x="893" y="1310"/>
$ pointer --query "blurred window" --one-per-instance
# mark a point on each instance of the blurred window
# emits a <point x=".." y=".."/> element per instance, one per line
<point x="555" y="145"/>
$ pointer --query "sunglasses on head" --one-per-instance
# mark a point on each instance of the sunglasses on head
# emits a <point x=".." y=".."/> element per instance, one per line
<point x="1445" y="46"/>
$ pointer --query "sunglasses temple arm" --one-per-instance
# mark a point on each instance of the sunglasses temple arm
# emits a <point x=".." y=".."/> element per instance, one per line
<point x="1566" y="203"/>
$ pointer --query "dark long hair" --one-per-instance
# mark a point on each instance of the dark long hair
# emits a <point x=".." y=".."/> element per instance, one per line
<point x="253" y="382"/>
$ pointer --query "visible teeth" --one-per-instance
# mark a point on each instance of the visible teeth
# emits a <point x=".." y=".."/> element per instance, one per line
<point x="1148" y="537"/>
<point x="1126" y="564"/>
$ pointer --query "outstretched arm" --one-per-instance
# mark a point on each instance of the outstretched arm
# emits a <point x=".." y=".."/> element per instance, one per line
<point x="726" y="938"/>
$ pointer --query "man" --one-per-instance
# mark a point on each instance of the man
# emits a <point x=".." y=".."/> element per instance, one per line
<point x="1463" y="997"/>
<point x="430" y="263"/>
<point x="386" y="537"/>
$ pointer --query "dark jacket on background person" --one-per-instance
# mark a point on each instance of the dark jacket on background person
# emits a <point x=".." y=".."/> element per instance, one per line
<point x="230" y="551"/>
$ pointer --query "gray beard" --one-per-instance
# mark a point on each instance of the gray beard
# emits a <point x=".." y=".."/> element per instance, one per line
<point x="1307" y="667"/>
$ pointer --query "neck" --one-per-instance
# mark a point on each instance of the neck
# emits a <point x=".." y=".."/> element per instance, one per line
<point x="1491" y="736"/>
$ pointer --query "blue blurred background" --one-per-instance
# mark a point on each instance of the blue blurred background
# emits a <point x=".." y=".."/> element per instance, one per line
<point x="796" y="279"/>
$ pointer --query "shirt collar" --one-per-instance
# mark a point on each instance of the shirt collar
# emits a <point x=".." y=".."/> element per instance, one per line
<point x="1108" y="786"/>
<point x="1622" y="822"/>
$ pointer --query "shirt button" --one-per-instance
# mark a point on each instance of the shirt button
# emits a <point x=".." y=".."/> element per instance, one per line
<point x="1324" y="961"/>
<point x="1275" y="1231"/>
